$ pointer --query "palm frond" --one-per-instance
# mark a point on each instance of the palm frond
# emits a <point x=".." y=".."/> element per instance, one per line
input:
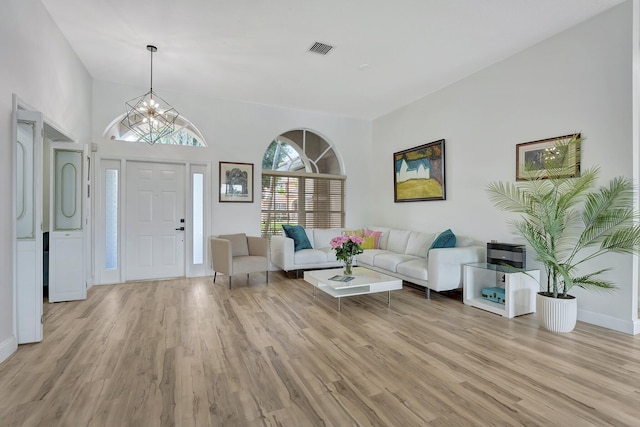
<point x="623" y="240"/>
<point x="604" y="225"/>
<point x="606" y="211"/>
<point x="591" y="281"/>
<point x="507" y="197"/>
<point x="572" y="191"/>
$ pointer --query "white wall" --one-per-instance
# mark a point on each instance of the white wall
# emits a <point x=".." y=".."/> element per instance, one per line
<point x="240" y="132"/>
<point x="579" y="80"/>
<point x="39" y="66"/>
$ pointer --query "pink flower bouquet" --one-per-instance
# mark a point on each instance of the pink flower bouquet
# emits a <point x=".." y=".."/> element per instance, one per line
<point x="346" y="248"/>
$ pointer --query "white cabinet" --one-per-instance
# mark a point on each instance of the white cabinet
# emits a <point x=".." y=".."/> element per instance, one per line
<point x="520" y="288"/>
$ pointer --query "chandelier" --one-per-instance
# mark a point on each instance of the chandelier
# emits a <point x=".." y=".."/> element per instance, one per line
<point x="149" y="116"/>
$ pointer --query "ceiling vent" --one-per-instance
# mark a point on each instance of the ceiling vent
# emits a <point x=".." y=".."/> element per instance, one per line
<point x="320" y="48"/>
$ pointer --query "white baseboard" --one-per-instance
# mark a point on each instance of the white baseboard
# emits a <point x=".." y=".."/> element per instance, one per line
<point x="8" y="347"/>
<point x="631" y="327"/>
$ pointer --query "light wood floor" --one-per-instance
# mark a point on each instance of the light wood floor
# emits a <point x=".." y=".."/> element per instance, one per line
<point x="191" y="353"/>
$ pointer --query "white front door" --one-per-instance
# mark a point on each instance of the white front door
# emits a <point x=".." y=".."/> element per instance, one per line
<point x="155" y="212"/>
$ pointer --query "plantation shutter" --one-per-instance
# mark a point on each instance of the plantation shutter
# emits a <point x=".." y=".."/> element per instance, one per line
<point x="310" y="200"/>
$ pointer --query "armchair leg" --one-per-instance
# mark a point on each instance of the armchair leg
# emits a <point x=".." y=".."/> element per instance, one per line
<point x="229" y="281"/>
<point x="267" y="273"/>
<point x="214" y="276"/>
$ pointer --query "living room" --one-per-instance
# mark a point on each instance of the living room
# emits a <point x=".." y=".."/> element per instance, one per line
<point x="581" y="79"/>
<point x="577" y="81"/>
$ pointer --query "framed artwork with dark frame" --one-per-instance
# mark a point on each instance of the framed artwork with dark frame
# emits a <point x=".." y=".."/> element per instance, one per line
<point x="418" y="173"/>
<point x="236" y="182"/>
<point x="533" y="158"/>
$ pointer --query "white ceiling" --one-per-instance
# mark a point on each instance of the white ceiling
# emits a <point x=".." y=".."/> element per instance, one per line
<point x="387" y="52"/>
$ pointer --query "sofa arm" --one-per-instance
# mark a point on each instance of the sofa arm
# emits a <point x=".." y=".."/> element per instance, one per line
<point x="445" y="265"/>
<point x="282" y="252"/>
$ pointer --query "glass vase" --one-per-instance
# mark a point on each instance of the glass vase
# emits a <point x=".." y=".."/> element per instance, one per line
<point x="348" y="263"/>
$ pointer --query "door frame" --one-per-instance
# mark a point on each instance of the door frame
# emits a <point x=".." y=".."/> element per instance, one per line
<point x="103" y="276"/>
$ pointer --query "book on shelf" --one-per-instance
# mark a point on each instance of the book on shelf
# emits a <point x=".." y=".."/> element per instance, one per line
<point x="341" y="278"/>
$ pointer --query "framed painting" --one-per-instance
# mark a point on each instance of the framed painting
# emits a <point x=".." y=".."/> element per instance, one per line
<point x="418" y="173"/>
<point x="559" y="156"/>
<point x="236" y="182"/>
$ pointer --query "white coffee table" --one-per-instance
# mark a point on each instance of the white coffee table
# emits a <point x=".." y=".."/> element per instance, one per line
<point x="365" y="282"/>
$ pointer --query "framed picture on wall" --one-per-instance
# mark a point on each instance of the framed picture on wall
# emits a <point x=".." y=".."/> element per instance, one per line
<point x="534" y="158"/>
<point x="236" y="182"/>
<point x="418" y="173"/>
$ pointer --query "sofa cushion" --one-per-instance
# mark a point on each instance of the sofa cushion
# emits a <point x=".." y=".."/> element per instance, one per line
<point x="239" y="245"/>
<point x="372" y="239"/>
<point x="368" y="243"/>
<point x="419" y="243"/>
<point x="446" y="239"/>
<point x="322" y="237"/>
<point x="382" y="243"/>
<point x="416" y="268"/>
<point x="368" y="255"/>
<point x="310" y="256"/>
<point x="390" y="261"/>
<point x="397" y="241"/>
<point x="330" y="254"/>
<point x="359" y="232"/>
<point x="299" y="236"/>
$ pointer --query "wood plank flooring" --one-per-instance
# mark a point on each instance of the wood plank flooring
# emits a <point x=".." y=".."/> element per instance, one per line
<point x="192" y="353"/>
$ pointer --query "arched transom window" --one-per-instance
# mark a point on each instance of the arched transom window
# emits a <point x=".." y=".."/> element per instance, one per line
<point x="185" y="133"/>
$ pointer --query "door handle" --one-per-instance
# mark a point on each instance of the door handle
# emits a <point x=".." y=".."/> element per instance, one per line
<point x="180" y="229"/>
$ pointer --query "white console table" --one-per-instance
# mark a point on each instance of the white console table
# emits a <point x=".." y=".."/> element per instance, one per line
<point x="520" y="288"/>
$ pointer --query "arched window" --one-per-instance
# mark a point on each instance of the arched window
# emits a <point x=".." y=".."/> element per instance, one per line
<point x="185" y="133"/>
<point x="302" y="183"/>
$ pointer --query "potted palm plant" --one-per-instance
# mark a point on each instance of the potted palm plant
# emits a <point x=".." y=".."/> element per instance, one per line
<point x="567" y="222"/>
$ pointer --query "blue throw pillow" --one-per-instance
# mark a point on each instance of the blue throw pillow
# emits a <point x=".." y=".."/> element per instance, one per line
<point x="297" y="233"/>
<point x="446" y="239"/>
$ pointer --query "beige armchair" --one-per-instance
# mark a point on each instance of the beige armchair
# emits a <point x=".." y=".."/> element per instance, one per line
<point x="234" y="254"/>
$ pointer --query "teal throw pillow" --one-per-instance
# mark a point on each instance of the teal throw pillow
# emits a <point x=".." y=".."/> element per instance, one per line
<point x="299" y="236"/>
<point x="446" y="239"/>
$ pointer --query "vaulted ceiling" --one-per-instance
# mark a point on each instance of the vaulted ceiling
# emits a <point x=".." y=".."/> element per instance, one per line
<point x="386" y="53"/>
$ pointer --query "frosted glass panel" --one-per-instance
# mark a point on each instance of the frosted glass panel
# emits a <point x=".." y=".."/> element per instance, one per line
<point x="68" y="190"/>
<point x="111" y="219"/>
<point x="68" y="204"/>
<point x="198" y="218"/>
<point x="25" y="197"/>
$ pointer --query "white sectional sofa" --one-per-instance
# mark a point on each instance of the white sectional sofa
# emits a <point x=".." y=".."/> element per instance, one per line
<point x="402" y="253"/>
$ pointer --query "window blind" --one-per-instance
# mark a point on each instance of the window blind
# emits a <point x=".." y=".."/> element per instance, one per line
<point x="310" y="200"/>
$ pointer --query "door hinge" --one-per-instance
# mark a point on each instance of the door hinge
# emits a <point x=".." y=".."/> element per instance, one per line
<point x="42" y="319"/>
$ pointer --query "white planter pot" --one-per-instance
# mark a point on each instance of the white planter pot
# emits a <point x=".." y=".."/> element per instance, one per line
<point x="557" y="314"/>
